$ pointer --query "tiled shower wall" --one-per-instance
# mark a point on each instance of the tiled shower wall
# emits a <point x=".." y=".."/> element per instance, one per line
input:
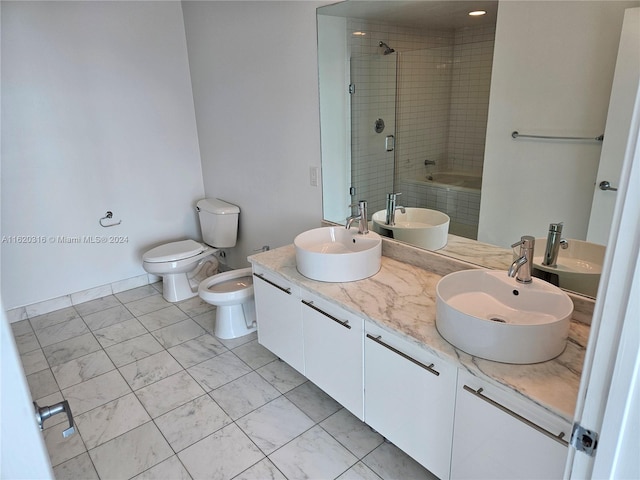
<point x="443" y="95"/>
<point x="470" y="83"/>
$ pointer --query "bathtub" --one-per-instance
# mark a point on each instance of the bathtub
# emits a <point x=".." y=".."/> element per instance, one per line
<point x="456" y="194"/>
<point x="463" y="181"/>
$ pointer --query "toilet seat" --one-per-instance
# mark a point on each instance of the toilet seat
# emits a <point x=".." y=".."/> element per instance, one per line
<point x="174" y="251"/>
<point x="227" y="288"/>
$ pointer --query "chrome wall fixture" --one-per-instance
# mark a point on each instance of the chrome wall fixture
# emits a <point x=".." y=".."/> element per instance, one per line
<point x="605" y="185"/>
<point x="516" y="134"/>
<point x="42" y="413"/>
<point x="108" y="216"/>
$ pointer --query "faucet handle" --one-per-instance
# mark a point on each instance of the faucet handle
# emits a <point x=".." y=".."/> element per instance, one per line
<point x="526" y="241"/>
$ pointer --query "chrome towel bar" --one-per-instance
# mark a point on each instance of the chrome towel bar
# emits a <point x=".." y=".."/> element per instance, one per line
<point x="516" y="134"/>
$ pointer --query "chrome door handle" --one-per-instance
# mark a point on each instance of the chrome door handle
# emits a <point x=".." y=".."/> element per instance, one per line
<point x="42" y="413"/>
<point x="605" y="185"/>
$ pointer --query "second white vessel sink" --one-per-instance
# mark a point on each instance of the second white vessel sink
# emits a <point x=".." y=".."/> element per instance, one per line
<point x="578" y="267"/>
<point x="421" y="227"/>
<point x="337" y="254"/>
<point x="490" y="315"/>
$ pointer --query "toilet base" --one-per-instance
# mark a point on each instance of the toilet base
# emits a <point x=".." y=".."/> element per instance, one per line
<point x="232" y="320"/>
<point x="176" y="287"/>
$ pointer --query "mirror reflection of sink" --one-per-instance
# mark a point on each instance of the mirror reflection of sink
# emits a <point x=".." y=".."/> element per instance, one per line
<point x="578" y="267"/>
<point x="490" y="315"/>
<point x="421" y="227"/>
<point x="337" y="254"/>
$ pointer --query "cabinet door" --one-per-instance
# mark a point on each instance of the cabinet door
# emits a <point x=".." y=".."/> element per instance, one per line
<point x="409" y="398"/>
<point x="500" y="436"/>
<point x="278" y="316"/>
<point x="333" y="351"/>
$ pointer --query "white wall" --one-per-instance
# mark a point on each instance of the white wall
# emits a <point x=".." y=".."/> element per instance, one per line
<point x="552" y="72"/>
<point x="255" y="85"/>
<point x="97" y="115"/>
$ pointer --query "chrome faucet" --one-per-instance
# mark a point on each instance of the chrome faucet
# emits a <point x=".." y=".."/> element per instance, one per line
<point x="363" y="226"/>
<point x="392" y="207"/>
<point x="521" y="267"/>
<point x="554" y="241"/>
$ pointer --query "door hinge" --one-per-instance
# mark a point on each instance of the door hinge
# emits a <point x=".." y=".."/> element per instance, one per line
<point x="352" y="88"/>
<point x="584" y="440"/>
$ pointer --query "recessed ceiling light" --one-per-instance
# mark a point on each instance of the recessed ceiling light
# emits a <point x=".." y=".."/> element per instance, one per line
<point x="477" y="13"/>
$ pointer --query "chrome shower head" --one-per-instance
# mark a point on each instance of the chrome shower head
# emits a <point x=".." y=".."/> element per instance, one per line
<point x="387" y="48"/>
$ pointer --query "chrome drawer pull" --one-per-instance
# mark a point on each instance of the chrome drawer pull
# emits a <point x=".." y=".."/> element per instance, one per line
<point x="262" y="277"/>
<point x="478" y="393"/>
<point x="429" y="368"/>
<point x="344" y="323"/>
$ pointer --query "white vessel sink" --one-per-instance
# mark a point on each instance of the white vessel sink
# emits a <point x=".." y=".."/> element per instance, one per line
<point x="421" y="227"/>
<point x="578" y="267"/>
<point x="337" y="254"/>
<point x="490" y="315"/>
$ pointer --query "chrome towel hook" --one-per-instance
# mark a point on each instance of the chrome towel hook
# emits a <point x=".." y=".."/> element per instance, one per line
<point x="108" y="215"/>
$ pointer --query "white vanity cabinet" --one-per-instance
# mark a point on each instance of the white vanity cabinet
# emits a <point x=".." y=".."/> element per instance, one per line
<point x="333" y="350"/>
<point x="500" y="436"/>
<point x="410" y="398"/>
<point x="278" y="311"/>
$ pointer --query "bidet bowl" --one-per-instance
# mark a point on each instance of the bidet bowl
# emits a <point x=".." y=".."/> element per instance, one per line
<point x="490" y="315"/>
<point x="421" y="227"/>
<point x="337" y="254"/>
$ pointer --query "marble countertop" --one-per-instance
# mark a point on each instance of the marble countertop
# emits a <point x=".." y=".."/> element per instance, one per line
<point x="401" y="298"/>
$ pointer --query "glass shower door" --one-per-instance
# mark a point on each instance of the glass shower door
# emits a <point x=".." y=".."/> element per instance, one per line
<point x="373" y="128"/>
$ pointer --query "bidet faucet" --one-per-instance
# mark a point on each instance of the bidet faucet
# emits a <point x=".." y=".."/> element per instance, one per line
<point x="363" y="226"/>
<point x="521" y="267"/>
<point x="554" y="241"/>
<point x="392" y="207"/>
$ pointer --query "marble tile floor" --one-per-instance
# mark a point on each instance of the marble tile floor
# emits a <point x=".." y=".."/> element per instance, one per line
<point x="156" y="396"/>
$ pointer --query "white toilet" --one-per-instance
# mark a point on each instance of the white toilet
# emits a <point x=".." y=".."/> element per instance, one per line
<point x="183" y="265"/>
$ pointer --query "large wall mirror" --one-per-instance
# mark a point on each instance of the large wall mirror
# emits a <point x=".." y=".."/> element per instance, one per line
<point x="422" y="98"/>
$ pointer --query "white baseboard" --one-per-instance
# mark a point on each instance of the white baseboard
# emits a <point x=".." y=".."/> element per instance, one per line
<point x="47" y="306"/>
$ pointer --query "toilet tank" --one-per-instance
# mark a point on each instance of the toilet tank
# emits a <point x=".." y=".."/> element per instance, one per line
<point x="218" y="222"/>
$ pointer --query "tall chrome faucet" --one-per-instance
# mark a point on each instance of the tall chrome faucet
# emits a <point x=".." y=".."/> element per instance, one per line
<point x="363" y="226"/>
<point x="521" y="267"/>
<point x="554" y="241"/>
<point x="392" y="207"/>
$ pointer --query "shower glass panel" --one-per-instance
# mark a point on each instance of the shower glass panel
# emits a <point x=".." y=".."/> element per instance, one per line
<point x="373" y="102"/>
<point x="424" y="98"/>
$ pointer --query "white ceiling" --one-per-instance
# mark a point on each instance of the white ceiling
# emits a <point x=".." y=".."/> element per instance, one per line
<point x="427" y="13"/>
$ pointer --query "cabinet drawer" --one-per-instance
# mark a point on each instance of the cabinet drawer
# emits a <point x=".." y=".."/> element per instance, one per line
<point x="333" y="351"/>
<point x="498" y="435"/>
<point x="278" y="316"/>
<point x="409" y="398"/>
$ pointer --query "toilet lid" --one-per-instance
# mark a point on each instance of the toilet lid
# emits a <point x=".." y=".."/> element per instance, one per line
<point x="174" y="251"/>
